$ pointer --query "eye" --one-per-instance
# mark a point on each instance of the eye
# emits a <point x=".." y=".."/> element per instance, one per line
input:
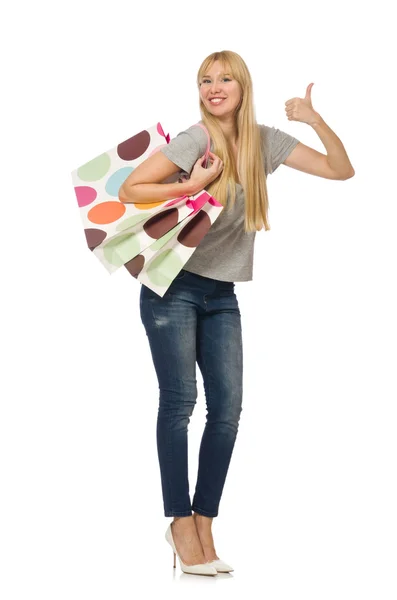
<point x="225" y="79"/>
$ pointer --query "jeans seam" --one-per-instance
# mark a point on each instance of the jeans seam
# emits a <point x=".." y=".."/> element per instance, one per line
<point x="168" y="456"/>
<point x="208" y="406"/>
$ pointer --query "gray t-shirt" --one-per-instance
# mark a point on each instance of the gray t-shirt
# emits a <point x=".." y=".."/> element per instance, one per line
<point x="226" y="252"/>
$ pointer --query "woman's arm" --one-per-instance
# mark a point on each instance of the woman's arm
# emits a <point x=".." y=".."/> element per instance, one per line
<point x="336" y="154"/>
<point x="155" y="192"/>
<point x="333" y="165"/>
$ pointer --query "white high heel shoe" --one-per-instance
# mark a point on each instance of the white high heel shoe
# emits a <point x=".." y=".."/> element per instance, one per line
<point x="221" y="566"/>
<point x="200" y="569"/>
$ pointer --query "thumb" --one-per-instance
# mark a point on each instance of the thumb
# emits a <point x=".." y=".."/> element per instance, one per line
<point x="309" y="91"/>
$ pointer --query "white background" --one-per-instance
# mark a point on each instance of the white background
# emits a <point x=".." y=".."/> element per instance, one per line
<point x="309" y="505"/>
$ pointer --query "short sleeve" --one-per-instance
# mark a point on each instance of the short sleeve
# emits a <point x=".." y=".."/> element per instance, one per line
<point x="281" y="145"/>
<point x="186" y="148"/>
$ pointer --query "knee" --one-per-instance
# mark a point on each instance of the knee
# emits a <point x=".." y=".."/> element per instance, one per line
<point x="228" y="415"/>
<point x="178" y="401"/>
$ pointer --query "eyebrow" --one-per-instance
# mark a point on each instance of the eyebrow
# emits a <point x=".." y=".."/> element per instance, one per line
<point x="221" y="74"/>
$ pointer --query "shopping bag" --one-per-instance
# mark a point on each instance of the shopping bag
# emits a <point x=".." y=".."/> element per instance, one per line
<point x="153" y="240"/>
<point x="127" y="245"/>
<point x="109" y="222"/>
<point x="96" y="186"/>
<point x="159" y="264"/>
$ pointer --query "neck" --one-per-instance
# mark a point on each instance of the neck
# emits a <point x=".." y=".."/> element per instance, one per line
<point x="229" y="129"/>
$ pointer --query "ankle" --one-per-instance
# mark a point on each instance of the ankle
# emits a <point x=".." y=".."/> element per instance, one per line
<point x="187" y="520"/>
<point x="202" y="519"/>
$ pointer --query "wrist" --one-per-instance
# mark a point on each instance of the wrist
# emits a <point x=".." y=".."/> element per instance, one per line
<point x="189" y="188"/>
<point x="317" y="120"/>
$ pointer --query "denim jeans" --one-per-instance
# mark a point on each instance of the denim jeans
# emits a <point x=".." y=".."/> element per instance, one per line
<point x="197" y="319"/>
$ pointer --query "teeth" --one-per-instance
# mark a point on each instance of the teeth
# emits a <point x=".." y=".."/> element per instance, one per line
<point x="217" y="100"/>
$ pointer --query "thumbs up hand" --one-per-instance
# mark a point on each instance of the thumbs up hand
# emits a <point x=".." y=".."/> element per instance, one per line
<point x="301" y="109"/>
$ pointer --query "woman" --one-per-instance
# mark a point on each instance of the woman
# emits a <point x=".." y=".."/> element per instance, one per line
<point x="198" y="318"/>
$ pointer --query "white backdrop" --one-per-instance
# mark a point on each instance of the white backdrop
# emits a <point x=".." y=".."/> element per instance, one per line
<point x="308" y="509"/>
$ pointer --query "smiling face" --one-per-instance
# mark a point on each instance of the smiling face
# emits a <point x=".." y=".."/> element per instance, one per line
<point x="216" y="83"/>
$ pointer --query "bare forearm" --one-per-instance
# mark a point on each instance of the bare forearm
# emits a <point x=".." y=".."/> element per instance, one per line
<point x="155" y="192"/>
<point x="336" y="153"/>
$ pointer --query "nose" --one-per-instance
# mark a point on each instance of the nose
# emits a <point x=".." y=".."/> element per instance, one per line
<point x="215" y="88"/>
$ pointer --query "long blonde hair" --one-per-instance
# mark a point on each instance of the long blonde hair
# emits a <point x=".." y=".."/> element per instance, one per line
<point x="250" y="168"/>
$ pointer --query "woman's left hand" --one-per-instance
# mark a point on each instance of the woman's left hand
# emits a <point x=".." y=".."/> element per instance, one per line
<point x="301" y="109"/>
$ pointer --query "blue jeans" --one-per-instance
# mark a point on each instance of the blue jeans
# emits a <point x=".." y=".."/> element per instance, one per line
<point x="197" y="319"/>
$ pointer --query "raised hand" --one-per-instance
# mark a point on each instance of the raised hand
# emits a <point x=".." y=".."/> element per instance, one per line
<point x="301" y="109"/>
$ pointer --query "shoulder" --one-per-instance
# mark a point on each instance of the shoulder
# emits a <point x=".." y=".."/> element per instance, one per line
<point x="275" y="136"/>
<point x="264" y="129"/>
<point x="192" y="140"/>
<point x="186" y="147"/>
<point x="270" y="134"/>
<point x="198" y="134"/>
<point x="278" y="144"/>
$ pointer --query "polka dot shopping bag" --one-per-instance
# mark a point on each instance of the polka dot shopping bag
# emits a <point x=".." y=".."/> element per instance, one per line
<point x="153" y="241"/>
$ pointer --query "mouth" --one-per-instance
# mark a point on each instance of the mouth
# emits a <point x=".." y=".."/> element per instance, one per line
<point x="216" y="101"/>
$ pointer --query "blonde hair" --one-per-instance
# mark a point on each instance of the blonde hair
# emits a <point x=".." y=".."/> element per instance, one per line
<point x="250" y="168"/>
